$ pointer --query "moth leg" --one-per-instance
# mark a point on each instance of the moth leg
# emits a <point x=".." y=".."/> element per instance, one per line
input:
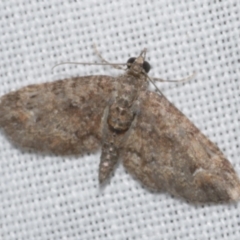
<point x="104" y="60"/>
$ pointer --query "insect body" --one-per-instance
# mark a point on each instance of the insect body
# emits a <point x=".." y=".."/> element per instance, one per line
<point x="155" y="141"/>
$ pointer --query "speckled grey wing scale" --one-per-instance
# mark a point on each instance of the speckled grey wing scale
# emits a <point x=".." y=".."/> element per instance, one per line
<point x="62" y="117"/>
<point x="166" y="152"/>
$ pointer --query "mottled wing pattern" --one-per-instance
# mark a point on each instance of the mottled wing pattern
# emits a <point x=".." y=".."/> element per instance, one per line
<point x="66" y="119"/>
<point x="165" y="151"/>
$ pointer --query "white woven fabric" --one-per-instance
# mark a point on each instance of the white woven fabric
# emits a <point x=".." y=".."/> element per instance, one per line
<point x="49" y="197"/>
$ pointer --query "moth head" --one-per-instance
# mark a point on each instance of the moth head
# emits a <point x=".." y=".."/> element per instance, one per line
<point x="137" y="65"/>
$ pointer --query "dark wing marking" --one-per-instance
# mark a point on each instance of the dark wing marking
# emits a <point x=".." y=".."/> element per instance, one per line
<point x="165" y="151"/>
<point x="63" y="117"/>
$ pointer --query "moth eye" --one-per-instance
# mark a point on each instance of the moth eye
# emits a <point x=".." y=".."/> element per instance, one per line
<point x="130" y="60"/>
<point x="146" y="66"/>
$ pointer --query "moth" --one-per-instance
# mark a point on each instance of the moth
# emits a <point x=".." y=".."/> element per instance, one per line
<point x="157" y="144"/>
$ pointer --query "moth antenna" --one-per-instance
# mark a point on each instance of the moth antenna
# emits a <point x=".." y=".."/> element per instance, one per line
<point x="151" y="80"/>
<point x="190" y="77"/>
<point x="85" y="63"/>
<point x="104" y="60"/>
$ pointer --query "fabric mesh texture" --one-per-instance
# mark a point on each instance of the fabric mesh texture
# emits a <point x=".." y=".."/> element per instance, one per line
<point x="53" y="197"/>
